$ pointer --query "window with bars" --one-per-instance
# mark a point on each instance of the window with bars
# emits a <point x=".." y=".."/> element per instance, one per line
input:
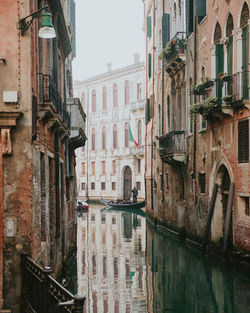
<point x="243" y="141"/>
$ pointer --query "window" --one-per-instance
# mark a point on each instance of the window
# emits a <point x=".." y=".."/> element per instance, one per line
<point x="83" y="100"/>
<point x="103" y="186"/>
<point x="139" y="166"/>
<point x="126" y="92"/>
<point x="83" y="168"/>
<point x="113" y="185"/>
<point x="202" y="182"/>
<point x="104" y="137"/>
<point x="92" y="186"/>
<point x="83" y="186"/>
<point x="139" y="133"/>
<point x="126" y="135"/>
<point x="114" y="166"/>
<point x="93" y="101"/>
<point x="103" y="218"/>
<point x="93" y="139"/>
<point x="138" y="185"/>
<point x="93" y="168"/>
<point x="139" y="95"/>
<point x="104" y="98"/>
<point x="103" y="167"/>
<point x="115" y="136"/>
<point x="243" y="141"/>
<point x="115" y="96"/>
<point x="247" y="209"/>
<point x="113" y="220"/>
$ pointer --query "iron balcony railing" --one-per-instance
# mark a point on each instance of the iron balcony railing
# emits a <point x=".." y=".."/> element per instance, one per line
<point x="48" y="92"/>
<point x="42" y="293"/>
<point x="180" y="42"/>
<point x="173" y="142"/>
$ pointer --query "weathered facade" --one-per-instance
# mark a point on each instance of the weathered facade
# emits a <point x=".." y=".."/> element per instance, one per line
<point x="199" y="125"/>
<point x="113" y="162"/>
<point x="37" y="142"/>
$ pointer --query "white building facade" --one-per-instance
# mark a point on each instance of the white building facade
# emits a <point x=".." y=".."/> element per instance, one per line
<point x="112" y="163"/>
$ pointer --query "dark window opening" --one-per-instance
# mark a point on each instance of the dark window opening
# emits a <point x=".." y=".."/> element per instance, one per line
<point x="202" y="182"/>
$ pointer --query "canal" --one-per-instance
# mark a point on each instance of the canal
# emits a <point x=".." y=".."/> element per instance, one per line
<point x="124" y="266"/>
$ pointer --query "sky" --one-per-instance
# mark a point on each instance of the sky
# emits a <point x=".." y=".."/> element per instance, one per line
<point x="107" y="31"/>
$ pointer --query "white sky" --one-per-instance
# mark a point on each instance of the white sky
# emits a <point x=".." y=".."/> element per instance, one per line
<point x="107" y="31"/>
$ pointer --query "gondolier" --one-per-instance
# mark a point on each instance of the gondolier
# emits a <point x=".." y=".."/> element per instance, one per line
<point x="135" y="194"/>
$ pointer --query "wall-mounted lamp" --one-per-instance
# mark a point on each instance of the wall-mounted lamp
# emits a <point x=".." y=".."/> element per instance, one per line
<point x="47" y="29"/>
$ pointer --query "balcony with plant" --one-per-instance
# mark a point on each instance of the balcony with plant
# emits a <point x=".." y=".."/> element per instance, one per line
<point x="202" y="88"/>
<point x="208" y="108"/>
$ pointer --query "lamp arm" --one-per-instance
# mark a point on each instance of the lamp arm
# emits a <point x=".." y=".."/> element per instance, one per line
<point x="24" y="25"/>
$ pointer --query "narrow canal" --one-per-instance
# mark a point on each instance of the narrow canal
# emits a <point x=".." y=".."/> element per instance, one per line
<point x="123" y="266"/>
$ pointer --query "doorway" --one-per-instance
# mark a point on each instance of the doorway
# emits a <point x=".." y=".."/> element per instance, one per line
<point x="127" y="183"/>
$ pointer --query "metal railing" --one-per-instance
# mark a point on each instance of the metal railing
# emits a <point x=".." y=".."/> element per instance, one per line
<point x="172" y="142"/>
<point x="48" y="92"/>
<point x="41" y="293"/>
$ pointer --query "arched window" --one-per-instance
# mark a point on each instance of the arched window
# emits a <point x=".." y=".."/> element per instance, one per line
<point x="115" y="136"/>
<point x="93" y="139"/>
<point x="83" y="99"/>
<point x="126" y="92"/>
<point x="219" y="59"/>
<point x="179" y="7"/>
<point x="115" y="96"/>
<point x="126" y="134"/>
<point x="217" y="34"/>
<point x="245" y="49"/>
<point x="104" y="98"/>
<point x="93" y="100"/>
<point x="229" y="34"/>
<point x="230" y="26"/>
<point x="104" y="137"/>
<point x="139" y="133"/>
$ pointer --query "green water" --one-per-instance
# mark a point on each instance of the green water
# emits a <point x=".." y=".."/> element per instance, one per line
<point x="124" y="266"/>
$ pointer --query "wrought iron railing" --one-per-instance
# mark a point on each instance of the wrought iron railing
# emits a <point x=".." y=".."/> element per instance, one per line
<point x="172" y="142"/>
<point x="42" y="293"/>
<point x="48" y="92"/>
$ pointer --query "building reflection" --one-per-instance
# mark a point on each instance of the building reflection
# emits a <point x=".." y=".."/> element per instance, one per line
<point x="111" y="261"/>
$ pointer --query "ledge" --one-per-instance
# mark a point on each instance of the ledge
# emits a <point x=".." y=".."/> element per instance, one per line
<point x="8" y="119"/>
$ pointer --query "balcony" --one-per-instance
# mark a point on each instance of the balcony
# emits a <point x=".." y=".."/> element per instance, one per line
<point x="77" y="119"/>
<point x="172" y="147"/>
<point x="51" y="108"/>
<point x="174" y="54"/>
<point x="137" y="105"/>
<point x="138" y="151"/>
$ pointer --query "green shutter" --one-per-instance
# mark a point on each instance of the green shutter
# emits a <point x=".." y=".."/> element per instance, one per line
<point x="230" y="65"/>
<point x="200" y="9"/>
<point x="245" y="60"/>
<point x="149" y="65"/>
<point x="219" y="68"/>
<point x="147" y="111"/>
<point x="149" y="27"/>
<point x="165" y="29"/>
<point x="189" y="16"/>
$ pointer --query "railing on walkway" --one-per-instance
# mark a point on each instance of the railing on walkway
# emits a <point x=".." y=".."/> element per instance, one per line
<point x="41" y="293"/>
<point x="172" y="142"/>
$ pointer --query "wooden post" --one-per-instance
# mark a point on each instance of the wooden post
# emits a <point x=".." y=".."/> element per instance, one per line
<point x="45" y="297"/>
<point x="210" y="216"/>
<point x="78" y="303"/>
<point x="228" y="216"/>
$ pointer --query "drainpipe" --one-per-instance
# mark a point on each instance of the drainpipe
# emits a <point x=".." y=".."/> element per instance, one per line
<point x="195" y="121"/>
<point x="86" y="149"/>
<point x="162" y="111"/>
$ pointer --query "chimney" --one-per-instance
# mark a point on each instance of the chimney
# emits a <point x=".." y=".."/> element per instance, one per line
<point x="109" y="67"/>
<point x="136" y="58"/>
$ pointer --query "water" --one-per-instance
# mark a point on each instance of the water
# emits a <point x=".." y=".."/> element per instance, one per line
<point x="123" y="266"/>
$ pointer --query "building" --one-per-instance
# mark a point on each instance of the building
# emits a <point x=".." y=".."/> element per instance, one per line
<point x="113" y="161"/>
<point x="38" y="138"/>
<point x="198" y="127"/>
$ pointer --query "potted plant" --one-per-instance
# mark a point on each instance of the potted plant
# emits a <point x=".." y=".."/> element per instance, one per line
<point x="221" y="75"/>
<point x="227" y="99"/>
<point x="206" y="108"/>
<point x="227" y="78"/>
<point x="201" y="88"/>
<point x="167" y="52"/>
<point x="182" y="44"/>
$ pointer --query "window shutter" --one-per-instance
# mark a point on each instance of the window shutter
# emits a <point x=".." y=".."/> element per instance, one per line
<point x="245" y="60"/>
<point x="147" y="111"/>
<point x="149" y="65"/>
<point x="189" y="16"/>
<point x="165" y="29"/>
<point x="243" y="141"/>
<point x="219" y="68"/>
<point x="149" y="26"/>
<point x="200" y="9"/>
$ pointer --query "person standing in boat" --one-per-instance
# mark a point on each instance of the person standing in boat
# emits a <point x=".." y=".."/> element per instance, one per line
<point x="135" y="194"/>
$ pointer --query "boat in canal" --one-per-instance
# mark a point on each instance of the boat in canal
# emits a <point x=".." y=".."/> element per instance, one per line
<point x="123" y="204"/>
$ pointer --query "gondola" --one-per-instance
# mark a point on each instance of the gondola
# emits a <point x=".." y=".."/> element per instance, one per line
<point x="123" y="205"/>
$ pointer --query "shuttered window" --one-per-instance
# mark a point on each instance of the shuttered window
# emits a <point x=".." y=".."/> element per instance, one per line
<point x="243" y="141"/>
<point x="147" y="111"/>
<point x="200" y="9"/>
<point x="245" y="60"/>
<point x="219" y="68"/>
<point x="149" y="27"/>
<point x="189" y="16"/>
<point x="149" y="66"/>
<point x="165" y="29"/>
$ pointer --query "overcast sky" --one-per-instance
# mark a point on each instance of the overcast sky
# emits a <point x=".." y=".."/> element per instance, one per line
<point x="107" y="31"/>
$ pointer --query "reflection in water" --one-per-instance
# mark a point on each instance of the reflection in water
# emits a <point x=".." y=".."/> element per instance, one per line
<point x="111" y="261"/>
<point x="122" y="271"/>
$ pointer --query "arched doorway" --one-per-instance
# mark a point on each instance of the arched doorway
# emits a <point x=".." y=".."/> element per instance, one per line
<point x="218" y="223"/>
<point x="127" y="183"/>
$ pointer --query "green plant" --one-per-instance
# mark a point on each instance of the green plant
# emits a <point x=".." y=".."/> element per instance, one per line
<point x="182" y="43"/>
<point x="228" y="98"/>
<point x="201" y="88"/>
<point x="166" y="52"/>
<point x="206" y="107"/>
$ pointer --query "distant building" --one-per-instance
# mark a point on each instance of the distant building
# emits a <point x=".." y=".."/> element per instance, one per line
<point x="112" y="163"/>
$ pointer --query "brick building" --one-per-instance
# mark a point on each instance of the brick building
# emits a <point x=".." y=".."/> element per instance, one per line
<point x="199" y="120"/>
<point x="38" y="136"/>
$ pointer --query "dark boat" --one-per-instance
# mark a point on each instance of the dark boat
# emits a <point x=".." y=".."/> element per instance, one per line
<point x="123" y="204"/>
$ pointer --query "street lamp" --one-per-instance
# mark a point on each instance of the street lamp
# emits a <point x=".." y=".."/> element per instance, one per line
<point x="47" y="29"/>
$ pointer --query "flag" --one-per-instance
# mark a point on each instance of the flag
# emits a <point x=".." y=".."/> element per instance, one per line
<point x="130" y="137"/>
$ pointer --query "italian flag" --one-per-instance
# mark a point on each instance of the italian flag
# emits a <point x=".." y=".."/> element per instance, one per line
<point x="131" y="138"/>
